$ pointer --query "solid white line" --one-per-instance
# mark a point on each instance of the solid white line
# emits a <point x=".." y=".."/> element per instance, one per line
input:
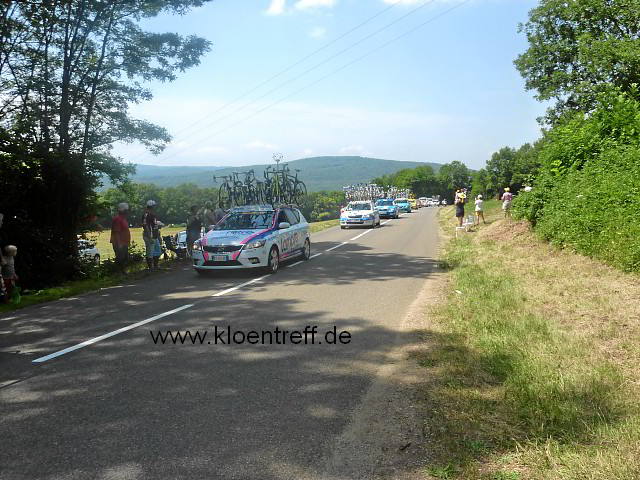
<point x="385" y="222"/>
<point x="337" y="246"/>
<point x="107" y="335"/>
<point x="233" y="289"/>
<point x="294" y="264"/>
<point x="316" y="255"/>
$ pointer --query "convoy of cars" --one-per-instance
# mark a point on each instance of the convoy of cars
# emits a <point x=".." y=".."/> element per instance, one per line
<point x="254" y="236"/>
<point x="360" y="213"/>
<point x="261" y="236"/>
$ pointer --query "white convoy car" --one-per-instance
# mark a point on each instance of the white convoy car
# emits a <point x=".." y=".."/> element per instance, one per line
<point x="360" y="213"/>
<point x="253" y="236"/>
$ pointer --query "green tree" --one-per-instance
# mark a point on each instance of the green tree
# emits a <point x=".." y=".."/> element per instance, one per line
<point x="69" y="69"/>
<point x="576" y="48"/>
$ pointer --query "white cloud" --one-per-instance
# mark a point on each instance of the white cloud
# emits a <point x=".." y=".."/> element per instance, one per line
<point x="261" y="145"/>
<point x="276" y="7"/>
<point x="352" y="150"/>
<point x="308" y="4"/>
<point x="318" y="32"/>
<point x="308" y="151"/>
<point x="212" y="149"/>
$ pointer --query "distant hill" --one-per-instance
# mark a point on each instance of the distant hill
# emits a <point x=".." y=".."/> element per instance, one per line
<point x="318" y="173"/>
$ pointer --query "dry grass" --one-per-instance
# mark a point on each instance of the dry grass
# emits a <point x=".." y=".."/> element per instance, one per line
<point x="534" y="366"/>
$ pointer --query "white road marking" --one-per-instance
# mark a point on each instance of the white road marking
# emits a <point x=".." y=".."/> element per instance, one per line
<point x="316" y="255"/>
<point x="337" y="246"/>
<point x="107" y="335"/>
<point x="294" y="264"/>
<point x="233" y="289"/>
<point x="385" y="222"/>
<point x="363" y="233"/>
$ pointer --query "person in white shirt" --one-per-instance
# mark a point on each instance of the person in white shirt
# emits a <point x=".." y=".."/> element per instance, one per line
<point x="479" y="210"/>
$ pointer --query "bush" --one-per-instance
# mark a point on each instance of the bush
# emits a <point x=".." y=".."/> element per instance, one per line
<point x="596" y="210"/>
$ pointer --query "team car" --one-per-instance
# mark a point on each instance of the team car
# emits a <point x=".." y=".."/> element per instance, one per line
<point x="414" y="204"/>
<point x="360" y="213"/>
<point x="251" y="237"/>
<point x="88" y="250"/>
<point x="403" y="205"/>
<point x="386" y="208"/>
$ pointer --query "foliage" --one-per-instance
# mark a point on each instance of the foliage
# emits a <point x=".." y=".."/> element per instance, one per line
<point x="68" y="72"/>
<point x="586" y="195"/>
<point x="424" y="182"/>
<point x="578" y="48"/>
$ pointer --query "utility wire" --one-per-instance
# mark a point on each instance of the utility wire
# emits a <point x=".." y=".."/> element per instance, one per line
<point x="304" y="73"/>
<point x="282" y="72"/>
<point x="371" y="52"/>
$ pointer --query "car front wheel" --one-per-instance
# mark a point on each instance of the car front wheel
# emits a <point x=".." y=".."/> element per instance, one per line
<point x="306" y="251"/>
<point x="274" y="260"/>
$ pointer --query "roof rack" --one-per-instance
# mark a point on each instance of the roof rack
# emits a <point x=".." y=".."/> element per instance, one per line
<point x="252" y="208"/>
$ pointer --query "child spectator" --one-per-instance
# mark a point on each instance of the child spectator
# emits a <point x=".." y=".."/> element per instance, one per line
<point x="479" y="210"/>
<point x="9" y="276"/>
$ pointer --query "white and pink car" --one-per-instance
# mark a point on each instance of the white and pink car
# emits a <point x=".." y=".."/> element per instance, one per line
<point x="252" y="237"/>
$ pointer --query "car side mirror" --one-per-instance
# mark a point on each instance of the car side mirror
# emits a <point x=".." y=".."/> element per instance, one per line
<point x="284" y="225"/>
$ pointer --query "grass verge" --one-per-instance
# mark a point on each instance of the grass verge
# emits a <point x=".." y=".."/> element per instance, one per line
<point x="532" y="362"/>
<point x="78" y="287"/>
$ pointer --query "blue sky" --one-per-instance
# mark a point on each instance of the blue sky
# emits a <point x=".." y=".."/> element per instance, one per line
<point x="446" y="91"/>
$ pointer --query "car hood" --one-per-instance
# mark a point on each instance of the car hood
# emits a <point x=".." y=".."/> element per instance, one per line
<point x="231" y="237"/>
<point x="386" y="207"/>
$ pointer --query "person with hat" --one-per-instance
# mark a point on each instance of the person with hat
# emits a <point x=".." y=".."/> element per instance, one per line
<point x="121" y="237"/>
<point x="479" y="210"/>
<point x="507" y="198"/>
<point x="194" y="227"/>
<point x="151" y="235"/>
<point x="459" y="203"/>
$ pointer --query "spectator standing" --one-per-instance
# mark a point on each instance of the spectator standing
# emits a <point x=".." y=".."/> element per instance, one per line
<point x="209" y="216"/>
<point x="507" y="198"/>
<point x="151" y="235"/>
<point x="121" y="237"/>
<point x="459" y="202"/>
<point x="479" y="210"/>
<point x="219" y="214"/>
<point x="9" y="277"/>
<point x="194" y="227"/>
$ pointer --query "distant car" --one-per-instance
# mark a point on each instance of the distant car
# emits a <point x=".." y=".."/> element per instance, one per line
<point x="253" y="236"/>
<point x="424" y="202"/>
<point x="386" y="208"/>
<point x="403" y="205"/>
<point x="414" y="204"/>
<point x="88" y="250"/>
<point x="444" y="202"/>
<point x="360" y="213"/>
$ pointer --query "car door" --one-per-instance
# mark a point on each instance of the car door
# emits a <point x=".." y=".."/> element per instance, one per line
<point x="284" y="235"/>
<point x="297" y="229"/>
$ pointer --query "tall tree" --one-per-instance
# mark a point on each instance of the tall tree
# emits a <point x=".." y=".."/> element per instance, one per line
<point x="69" y="69"/>
<point x="576" y="48"/>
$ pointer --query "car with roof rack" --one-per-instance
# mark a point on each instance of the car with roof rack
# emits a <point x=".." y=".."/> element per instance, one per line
<point x="360" y="213"/>
<point x="253" y="236"/>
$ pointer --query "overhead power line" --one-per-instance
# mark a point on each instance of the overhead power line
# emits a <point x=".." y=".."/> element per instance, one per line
<point x="280" y="73"/>
<point x="341" y="52"/>
<point x="371" y="52"/>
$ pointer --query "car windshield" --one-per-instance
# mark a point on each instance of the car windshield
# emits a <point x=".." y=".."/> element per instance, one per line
<point x="182" y="237"/>
<point x="359" y="206"/>
<point x="384" y="202"/>
<point x="246" y="221"/>
<point x="402" y="200"/>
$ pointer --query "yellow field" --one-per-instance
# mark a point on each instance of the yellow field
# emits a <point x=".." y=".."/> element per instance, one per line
<point x="106" y="251"/>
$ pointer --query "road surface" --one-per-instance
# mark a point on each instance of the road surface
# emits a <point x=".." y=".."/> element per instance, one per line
<point x="123" y="407"/>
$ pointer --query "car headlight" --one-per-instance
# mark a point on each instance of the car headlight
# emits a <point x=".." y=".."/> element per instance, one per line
<point x="257" y="244"/>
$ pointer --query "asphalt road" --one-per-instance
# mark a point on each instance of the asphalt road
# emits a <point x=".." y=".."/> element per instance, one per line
<point x="126" y="408"/>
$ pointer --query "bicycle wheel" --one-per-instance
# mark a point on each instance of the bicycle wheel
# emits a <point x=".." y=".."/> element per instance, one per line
<point x="299" y="192"/>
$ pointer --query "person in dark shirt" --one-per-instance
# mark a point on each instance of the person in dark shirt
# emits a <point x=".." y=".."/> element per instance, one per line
<point x="194" y="227"/>
<point x="151" y="235"/>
